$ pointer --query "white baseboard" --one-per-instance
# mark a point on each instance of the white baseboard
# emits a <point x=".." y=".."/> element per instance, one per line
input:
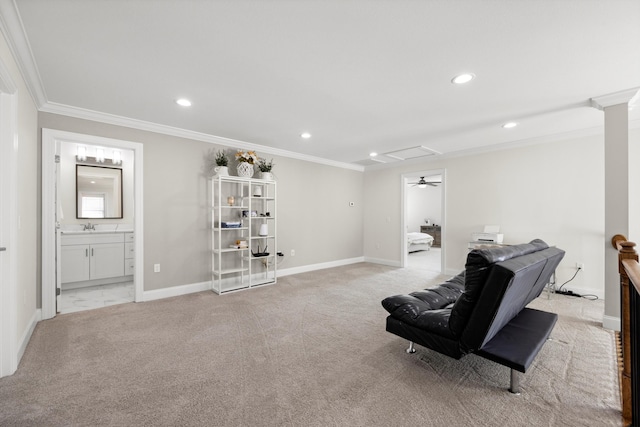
<point x="320" y="266"/>
<point x="175" y="291"/>
<point x="609" y="322"/>
<point x="380" y="261"/>
<point x="26" y="335"/>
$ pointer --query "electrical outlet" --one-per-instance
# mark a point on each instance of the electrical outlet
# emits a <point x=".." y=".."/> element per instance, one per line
<point x="580" y="265"/>
<point x="293" y="252"/>
<point x="156" y="268"/>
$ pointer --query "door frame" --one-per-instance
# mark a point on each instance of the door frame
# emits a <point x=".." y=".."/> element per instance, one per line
<point x="8" y="223"/>
<point x="51" y="140"/>
<point x="403" y="215"/>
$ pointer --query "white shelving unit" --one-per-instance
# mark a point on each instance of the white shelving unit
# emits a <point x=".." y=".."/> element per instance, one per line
<point x="240" y="209"/>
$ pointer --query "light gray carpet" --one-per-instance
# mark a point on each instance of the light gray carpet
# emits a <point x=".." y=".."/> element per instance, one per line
<point x="308" y="351"/>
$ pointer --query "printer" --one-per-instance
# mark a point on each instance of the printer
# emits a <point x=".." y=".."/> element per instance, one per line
<point x="491" y="234"/>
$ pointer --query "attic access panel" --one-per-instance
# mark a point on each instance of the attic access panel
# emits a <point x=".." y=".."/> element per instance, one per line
<point x="411" y="153"/>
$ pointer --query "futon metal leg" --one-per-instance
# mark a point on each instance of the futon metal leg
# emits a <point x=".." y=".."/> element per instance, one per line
<point x="515" y="382"/>
<point x="410" y="349"/>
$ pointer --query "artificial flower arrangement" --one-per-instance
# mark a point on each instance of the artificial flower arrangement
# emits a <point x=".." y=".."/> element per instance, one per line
<point x="247" y="156"/>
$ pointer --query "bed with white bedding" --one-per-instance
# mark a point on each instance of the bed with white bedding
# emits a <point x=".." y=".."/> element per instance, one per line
<point x="419" y="242"/>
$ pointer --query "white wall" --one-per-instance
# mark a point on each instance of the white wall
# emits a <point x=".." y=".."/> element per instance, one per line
<point x="28" y="198"/>
<point x="423" y="203"/>
<point x="314" y="216"/>
<point x="551" y="191"/>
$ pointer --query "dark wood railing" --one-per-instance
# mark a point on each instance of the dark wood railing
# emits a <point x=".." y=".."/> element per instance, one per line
<point x="629" y="270"/>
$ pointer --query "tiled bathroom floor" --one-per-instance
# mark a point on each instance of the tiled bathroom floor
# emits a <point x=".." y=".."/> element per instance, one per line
<point x="95" y="297"/>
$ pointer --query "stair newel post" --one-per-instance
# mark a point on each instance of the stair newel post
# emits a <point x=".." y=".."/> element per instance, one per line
<point x="629" y="316"/>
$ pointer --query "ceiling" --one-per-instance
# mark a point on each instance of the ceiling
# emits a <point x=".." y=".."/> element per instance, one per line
<point x="359" y="75"/>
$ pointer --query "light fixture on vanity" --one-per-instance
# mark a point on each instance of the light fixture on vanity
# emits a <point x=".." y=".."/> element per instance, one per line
<point x="100" y="156"/>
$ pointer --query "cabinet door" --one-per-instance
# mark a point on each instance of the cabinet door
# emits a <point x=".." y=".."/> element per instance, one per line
<point x="74" y="261"/>
<point x="107" y="260"/>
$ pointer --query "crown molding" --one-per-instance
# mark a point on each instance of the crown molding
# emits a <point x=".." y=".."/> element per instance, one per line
<point x="544" y="139"/>
<point x="13" y="31"/>
<point x="622" y="97"/>
<point x="96" y="116"/>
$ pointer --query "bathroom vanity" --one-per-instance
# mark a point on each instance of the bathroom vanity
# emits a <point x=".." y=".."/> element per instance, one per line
<point x="91" y="258"/>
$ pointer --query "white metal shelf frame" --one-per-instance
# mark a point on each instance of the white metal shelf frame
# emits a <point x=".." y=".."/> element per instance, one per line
<point x="235" y="269"/>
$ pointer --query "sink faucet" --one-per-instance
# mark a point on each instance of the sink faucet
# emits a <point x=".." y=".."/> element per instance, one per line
<point x="88" y="226"/>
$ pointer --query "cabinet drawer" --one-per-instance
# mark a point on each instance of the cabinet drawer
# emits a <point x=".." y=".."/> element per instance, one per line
<point x="129" y="237"/>
<point x="129" y="267"/>
<point x="129" y="250"/>
<point x="91" y="238"/>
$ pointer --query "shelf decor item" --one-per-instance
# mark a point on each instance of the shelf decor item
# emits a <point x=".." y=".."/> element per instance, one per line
<point x="264" y="230"/>
<point x="222" y="163"/>
<point x="246" y="160"/>
<point x="265" y="169"/>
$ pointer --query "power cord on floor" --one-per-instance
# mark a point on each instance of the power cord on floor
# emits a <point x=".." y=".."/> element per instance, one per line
<point x="571" y="293"/>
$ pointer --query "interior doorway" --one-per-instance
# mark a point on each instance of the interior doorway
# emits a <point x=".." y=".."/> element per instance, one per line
<point x="423" y="220"/>
<point x="52" y="209"/>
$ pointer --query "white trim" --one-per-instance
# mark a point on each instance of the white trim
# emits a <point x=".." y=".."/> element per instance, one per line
<point x="612" y="323"/>
<point x="9" y="357"/>
<point x="544" y="139"/>
<point x="48" y="239"/>
<point x="319" y="266"/>
<point x="622" y="97"/>
<point x="12" y="28"/>
<point x="26" y="335"/>
<point x="175" y="291"/>
<point x="82" y="113"/>
<point x="50" y="138"/>
<point x="403" y="213"/>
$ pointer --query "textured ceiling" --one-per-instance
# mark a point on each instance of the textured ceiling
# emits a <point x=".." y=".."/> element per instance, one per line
<point x="360" y="76"/>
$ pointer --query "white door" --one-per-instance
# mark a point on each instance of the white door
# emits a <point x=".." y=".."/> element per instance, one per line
<point x="4" y="282"/>
<point x="8" y="226"/>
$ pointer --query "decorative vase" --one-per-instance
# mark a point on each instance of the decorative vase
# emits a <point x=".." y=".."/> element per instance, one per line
<point x="221" y="170"/>
<point x="245" y="170"/>
<point x="264" y="230"/>
<point x="267" y="176"/>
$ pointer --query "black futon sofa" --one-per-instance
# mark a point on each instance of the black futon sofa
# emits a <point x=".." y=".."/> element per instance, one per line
<point x="482" y="310"/>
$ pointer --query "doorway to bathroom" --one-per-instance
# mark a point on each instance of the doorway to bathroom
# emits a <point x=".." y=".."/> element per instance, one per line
<point x="423" y="218"/>
<point x="96" y="260"/>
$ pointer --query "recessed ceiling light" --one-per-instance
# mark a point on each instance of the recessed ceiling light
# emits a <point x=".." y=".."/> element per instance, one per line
<point x="510" y="125"/>
<point x="305" y="135"/>
<point x="373" y="154"/>
<point x="463" y="78"/>
<point x="183" y="102"/>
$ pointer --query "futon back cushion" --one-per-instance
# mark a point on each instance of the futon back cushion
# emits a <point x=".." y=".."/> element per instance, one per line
<point x="477" y="268"/>
<point x="428" y="309"/>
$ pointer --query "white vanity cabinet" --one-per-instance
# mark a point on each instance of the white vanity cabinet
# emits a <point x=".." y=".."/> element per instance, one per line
<point x="129" y="254"/>
<point x="92" y="256"/>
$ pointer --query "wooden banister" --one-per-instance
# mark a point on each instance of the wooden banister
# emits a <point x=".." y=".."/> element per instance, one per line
<point x="629" y="271"/>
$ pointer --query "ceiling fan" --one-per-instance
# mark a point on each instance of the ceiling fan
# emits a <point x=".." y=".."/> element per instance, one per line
<point x="423" y="184"/>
